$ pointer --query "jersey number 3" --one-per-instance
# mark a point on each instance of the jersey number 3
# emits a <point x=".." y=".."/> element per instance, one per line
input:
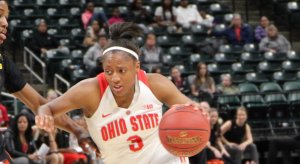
<point x="136" y="143"/>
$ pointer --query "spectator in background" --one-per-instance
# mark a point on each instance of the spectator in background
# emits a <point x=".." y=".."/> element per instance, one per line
<point x="138" y="14"/>
<point x="92" y="33"/>
<point x="19" y="140"/>
<point x="75" y="152"/>
<point x="51" y="95"/>
<point x="238" y="34"/>
<point x="115" y="18"/>
<point x="187" y="15"/>
<point x="260" y="30"/>
<point x="63" y="155"/>
<point x="94" y="52"/>
<point x="207" y="20"/>
<point x="216" y="149"/>
<point x="43" y="43"/>
<point x="203" y="87"/>
<point x="180" y="82"/>
<point x="166" y="15"/>
<point x="89" y="15"/>
<point x="274" y="42"/>
<point x="53" y="156"/>
<point x="151" y="53"/>
<point x="156" y="70"/>
<point x="238" y="140"/>
<point x="98" y="69"/>
<point x="226" y="87"/>
<point x="3" y="116"/>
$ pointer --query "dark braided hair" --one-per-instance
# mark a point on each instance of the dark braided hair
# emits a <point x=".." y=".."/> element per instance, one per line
<point x="124" y="35"/>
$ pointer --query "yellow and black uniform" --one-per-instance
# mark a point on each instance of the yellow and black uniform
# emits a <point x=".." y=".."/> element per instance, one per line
<point x="12" y="80"/>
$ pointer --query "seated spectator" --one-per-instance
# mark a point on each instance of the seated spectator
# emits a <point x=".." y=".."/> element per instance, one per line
<point x="56" y="142"/>
<point x="187" y="15"/>
<point x="156" y="70"/>
<point x="51" y="95"/>
<point x="260" y="30"/>
<point x="151" y="53"/>
<point x="238" y="140"/>
<point x="3" y="116"/>
<point x="274" y="42"/>
<point x="138" y="14"/>
<point x="70" y="149"/>
<point x="166" y="15"/>
<point x="203" y="87"/>
<point x="89" y="15"/>
<point x="92" y="33"/>
<point x="73" y="142"/>
<point x="238" y="33"/>
<point x="207" y="20"/>
<point x="43" y="43"/>
<point x="98" y="69"/>
<point x="19" y="141"/>
<point x="94" y="52"/>
<point x="216" y="149"/>
<point x="180" y="82"/>
<point x="226" y="87"/>
<point x="116" y="17"/>
<point x="53" y="156"/>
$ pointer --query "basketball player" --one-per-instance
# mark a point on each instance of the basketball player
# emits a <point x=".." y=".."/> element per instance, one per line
<point x="13" y="81"/>
<point x="123" y="105"/>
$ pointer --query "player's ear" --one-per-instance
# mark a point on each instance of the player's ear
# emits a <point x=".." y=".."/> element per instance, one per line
<point x="137" y="65"/>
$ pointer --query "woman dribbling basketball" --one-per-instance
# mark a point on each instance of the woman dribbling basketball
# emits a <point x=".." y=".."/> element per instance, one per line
<point x="123" y="105"/>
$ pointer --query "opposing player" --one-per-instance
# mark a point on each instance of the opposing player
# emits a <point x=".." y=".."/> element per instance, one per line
<point x="123" y="105"/>
<point x="13" y="81"/>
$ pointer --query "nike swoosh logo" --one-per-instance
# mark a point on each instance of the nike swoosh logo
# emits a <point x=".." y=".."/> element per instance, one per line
<point x="105" y="115"/>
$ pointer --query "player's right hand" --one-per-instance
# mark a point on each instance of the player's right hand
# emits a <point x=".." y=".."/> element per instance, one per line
<point x="45" y="122"/>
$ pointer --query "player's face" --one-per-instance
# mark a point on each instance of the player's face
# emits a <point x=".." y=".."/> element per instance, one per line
<point x="3" y="20"/>
<point x="120" y="72"/>
<point x="22" y="123"/>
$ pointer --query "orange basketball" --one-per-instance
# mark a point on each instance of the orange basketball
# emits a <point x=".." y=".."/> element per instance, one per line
<point x="184" y="131"/>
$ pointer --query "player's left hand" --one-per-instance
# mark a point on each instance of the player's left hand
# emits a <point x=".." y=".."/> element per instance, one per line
<point x="86" y="143"/>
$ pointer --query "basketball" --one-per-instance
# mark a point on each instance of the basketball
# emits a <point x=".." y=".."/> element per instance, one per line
<point x="184" y="131"/>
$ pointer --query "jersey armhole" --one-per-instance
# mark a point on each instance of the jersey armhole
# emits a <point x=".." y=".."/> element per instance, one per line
<point x="143" y="78"/>
<point x="102" y="84"/>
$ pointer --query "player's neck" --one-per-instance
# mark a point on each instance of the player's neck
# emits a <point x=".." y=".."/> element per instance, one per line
<point x="125" y="101"/>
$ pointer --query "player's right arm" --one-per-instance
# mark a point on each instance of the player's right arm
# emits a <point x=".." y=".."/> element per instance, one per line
<point x="80" y="96"/>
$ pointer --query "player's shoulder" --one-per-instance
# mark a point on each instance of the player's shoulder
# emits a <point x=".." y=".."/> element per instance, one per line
<point x="155" y="79"/>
